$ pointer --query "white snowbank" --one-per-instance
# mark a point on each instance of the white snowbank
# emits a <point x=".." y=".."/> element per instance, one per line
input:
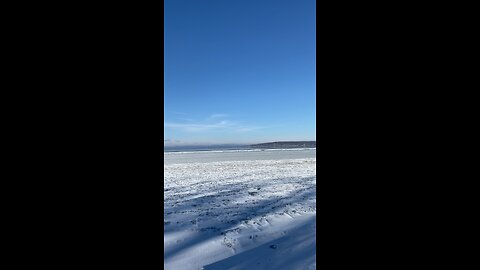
<point x="243" y="214"/>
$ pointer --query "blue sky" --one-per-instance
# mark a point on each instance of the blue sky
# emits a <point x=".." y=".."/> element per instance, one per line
<point x="239" y="71"/>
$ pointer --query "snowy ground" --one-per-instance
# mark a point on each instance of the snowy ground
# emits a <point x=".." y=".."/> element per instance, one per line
<point x="245" y="213"/>
<point x="236" y="155"/>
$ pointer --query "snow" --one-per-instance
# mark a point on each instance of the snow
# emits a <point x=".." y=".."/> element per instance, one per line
<point x="245" y="213"/>
<point x="237" y="155"/>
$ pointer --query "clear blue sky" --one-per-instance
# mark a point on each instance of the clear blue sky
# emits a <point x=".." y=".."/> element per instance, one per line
<point x="239" y="71"/>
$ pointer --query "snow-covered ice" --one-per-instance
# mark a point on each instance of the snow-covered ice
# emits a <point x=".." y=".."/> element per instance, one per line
<point x="244" y="213"/>
<point x="236" y="155"/>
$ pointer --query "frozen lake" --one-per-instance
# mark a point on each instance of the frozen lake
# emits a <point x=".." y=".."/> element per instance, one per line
<point x="237" y="155"/>
<point x="240" y="209"/>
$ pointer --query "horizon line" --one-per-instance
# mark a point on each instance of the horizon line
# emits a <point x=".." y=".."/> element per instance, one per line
<point x="179" y="143"/>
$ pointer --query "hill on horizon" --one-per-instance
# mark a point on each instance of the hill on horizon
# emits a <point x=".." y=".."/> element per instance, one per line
<point x="268" y="145"/>
<point x="286" y="144"/>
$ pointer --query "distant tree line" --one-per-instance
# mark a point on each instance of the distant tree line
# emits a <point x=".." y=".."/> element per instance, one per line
<point x="285" y="145"/>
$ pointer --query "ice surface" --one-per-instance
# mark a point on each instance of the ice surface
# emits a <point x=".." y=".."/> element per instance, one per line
<point x="236" y="155"/>
<point x="240" y="214"/>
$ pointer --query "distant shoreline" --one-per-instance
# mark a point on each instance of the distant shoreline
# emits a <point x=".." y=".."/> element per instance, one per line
<point x="286" y="145"/>
<point x="233" y="147"/>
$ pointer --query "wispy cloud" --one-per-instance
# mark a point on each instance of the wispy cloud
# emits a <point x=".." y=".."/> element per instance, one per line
<point x="218" y="115"/>
<point x="214" y="123"/>
<point x="219" y="126"/>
